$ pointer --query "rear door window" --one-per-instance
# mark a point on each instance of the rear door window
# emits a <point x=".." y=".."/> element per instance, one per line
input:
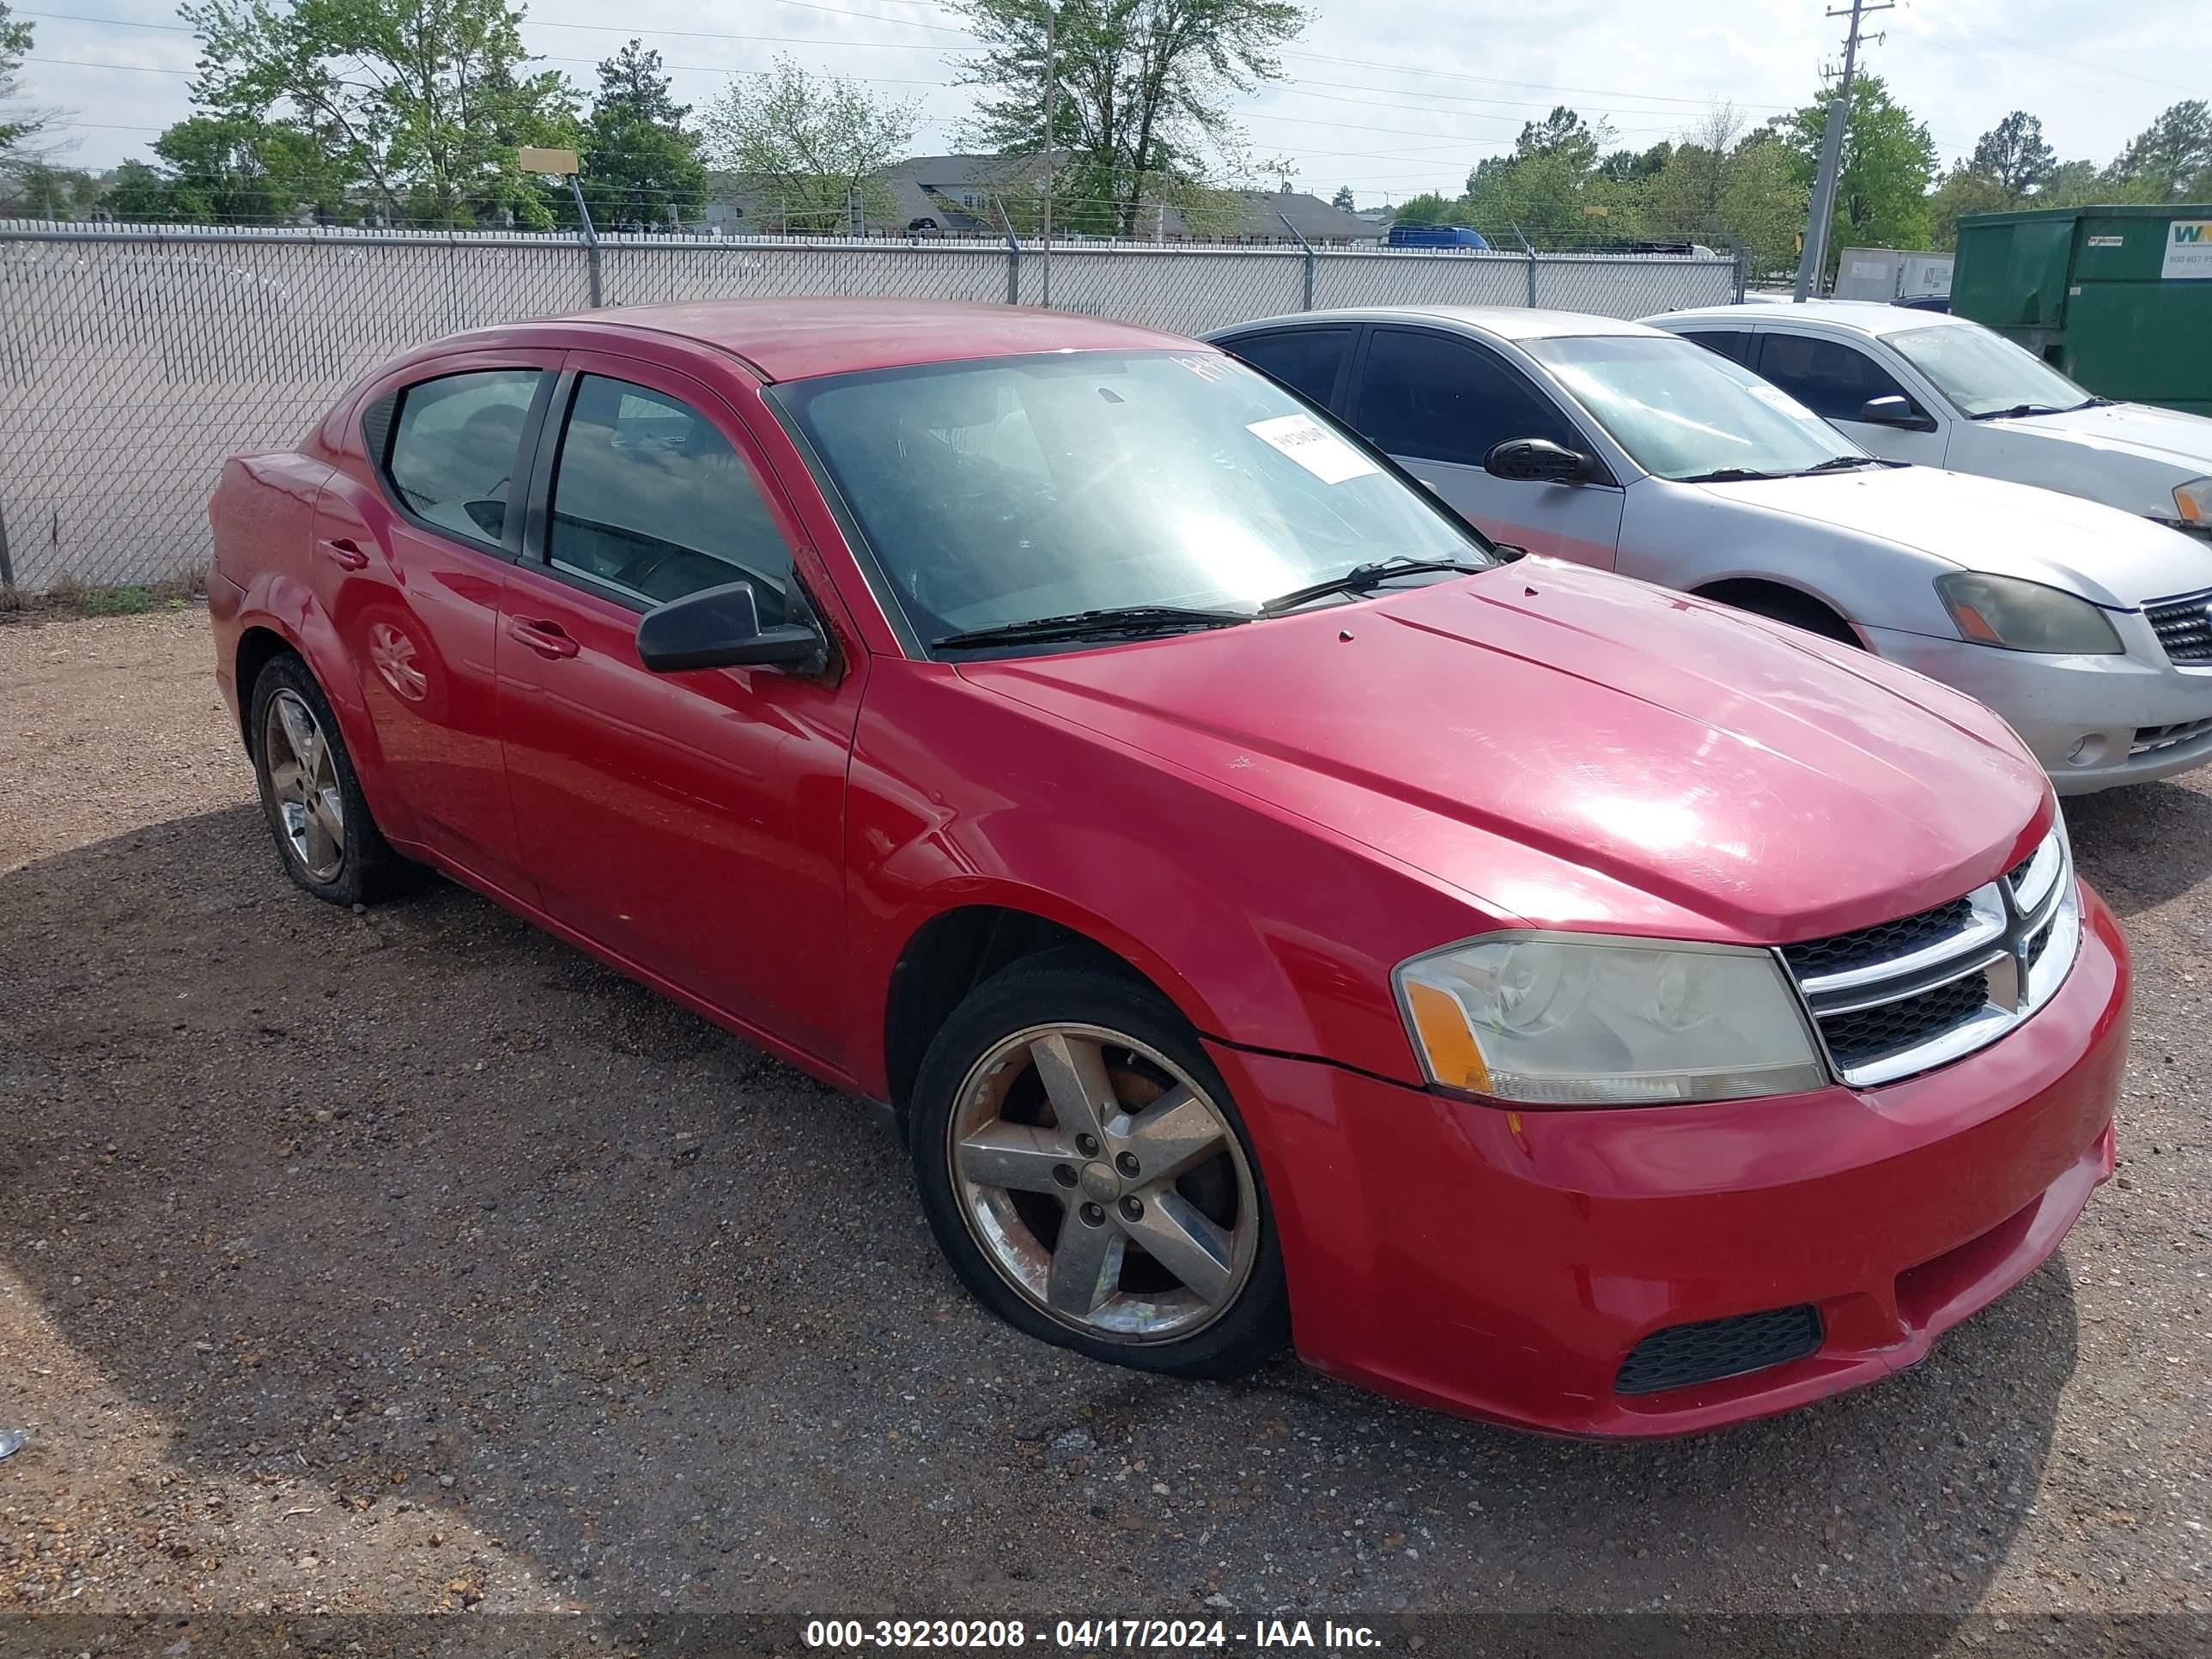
<point x="454" y="445"/>
<point x="1828" y="377"/>
<point x="1436" y="398"/>
<point x="1306" y="360"/>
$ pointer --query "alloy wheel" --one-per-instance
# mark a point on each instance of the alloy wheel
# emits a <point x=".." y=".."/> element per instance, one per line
<point x="1104" y="1183"/>
<point x="303" y="777"/>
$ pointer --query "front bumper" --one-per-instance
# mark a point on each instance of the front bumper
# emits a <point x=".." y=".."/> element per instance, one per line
<point x="2082" y="718"/>
<point x="1504" y="1264"/>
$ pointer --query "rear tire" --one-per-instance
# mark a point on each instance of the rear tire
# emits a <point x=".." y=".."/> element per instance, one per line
<point x="324" y="830"/>
<point x="1131" y="1229"/>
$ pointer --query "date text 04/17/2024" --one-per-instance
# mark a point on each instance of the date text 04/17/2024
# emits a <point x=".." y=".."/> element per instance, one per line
<point x="1094" y="1635"/>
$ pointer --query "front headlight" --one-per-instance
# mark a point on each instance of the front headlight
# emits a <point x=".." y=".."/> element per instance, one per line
<point x="2193" y="502"/>
<point x="2023" y="615"/>
<point x="1563" y="1019"/>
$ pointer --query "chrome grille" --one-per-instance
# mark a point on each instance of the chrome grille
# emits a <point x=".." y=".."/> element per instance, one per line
<point x="2183" y="625"/>
<point x="1908" y="995"/>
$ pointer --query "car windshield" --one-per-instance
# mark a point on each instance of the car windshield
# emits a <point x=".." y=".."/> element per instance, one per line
<point x="1985" y="373"/>
<point x="1005" y="490"/>
<point x="1684" y="412"/>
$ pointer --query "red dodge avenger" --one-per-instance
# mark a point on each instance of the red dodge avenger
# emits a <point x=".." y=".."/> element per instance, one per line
<point x="1275" y="915"/>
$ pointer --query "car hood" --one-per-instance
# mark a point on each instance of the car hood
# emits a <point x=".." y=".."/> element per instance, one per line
<point x="2136" y="429"/>
<point x="1578" y="749"/>
<point x="2112" y="557"/>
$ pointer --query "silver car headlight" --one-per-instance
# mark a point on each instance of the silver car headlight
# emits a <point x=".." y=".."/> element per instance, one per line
<point x="1567" y="1019"/>
<point x="2193" y="502"/>
<point x="2025" y="616"/>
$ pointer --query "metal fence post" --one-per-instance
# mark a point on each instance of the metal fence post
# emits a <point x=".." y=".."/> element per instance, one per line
<point x="1531" y="252"/>
<point x="1013" y="260"/>
<point x="1742" y="271"/>
<point x="1308" y="247"/>
<point x="591" y="243"/>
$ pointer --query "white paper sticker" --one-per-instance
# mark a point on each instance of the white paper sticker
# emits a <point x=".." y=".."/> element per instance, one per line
<point x="1775" y="396"/>
<point x="2108" y="241"/>
<point x="1314" y="447"/>
<point x="2188" y="251"/>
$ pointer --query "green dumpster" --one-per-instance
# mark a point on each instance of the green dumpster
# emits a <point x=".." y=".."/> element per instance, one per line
<point x="2119" y="298"/>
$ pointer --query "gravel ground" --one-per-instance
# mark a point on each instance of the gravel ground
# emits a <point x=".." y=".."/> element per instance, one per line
<point x="408" y="1262"/>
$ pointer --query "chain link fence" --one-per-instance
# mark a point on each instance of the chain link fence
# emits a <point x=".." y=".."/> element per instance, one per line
<point x="133" y="360"/>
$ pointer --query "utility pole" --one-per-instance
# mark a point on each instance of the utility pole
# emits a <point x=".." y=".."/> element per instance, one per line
<point x="1051" y="90"/>
<point x="1815" y="257"/>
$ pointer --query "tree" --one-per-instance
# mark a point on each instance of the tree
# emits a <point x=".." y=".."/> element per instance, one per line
<point x="420" y="104"/>
<point x="1763" y="204"/>
<point x="2170" y="160"/>
<point x="1144" y="87"/>
<point x="136" y="190"/>
<point x="1964" y="191"/>
<point x="22" y="148"/>
<point x="2074" y="184"/>
<point x="640" y="167"/>
<point x="228" y="170"/>
<point x="1888" y="161"/>
<point x="1427" y="209"/>
<point x="2014" y="153"/>
<point x="1565" y="135"/>
<point x="810" y="141"/>
<point x="1344" y="201"/>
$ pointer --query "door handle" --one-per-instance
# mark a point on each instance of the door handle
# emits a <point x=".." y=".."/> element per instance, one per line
<point x="545" y="638"/>
<point x="342" y="552"/>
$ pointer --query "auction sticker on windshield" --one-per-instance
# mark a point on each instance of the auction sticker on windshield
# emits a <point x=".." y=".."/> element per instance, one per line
<point x="1314" y="447"/>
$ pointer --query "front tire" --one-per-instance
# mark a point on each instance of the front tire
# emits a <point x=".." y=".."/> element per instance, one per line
<point x="322" y="825"/>
<point x="1089" y="1178"/>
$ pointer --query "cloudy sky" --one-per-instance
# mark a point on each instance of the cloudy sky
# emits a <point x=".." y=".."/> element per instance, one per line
<point x="1392" y="97"/>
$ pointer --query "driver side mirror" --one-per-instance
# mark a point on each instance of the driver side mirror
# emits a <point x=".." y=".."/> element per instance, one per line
<point x="1538" y="460"/>
<point x="1897" y="411"/>
<point x="720" y="628"/>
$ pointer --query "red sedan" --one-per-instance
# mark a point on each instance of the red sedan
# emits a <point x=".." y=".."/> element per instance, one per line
<point x="1272" y="914"/>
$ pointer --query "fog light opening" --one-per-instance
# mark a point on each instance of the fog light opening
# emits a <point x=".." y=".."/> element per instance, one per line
<point x="2088" y="750"/>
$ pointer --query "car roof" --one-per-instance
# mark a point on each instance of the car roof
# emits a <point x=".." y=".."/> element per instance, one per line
<point x="1503" y="322"/>
<point x="795" y="339"/>
<point x="1875" y="317"/>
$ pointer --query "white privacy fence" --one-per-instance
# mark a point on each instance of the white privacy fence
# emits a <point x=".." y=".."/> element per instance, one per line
<point x="133" y="360"/>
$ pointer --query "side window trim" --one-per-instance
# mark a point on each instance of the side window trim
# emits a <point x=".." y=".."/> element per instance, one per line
<point x="510" y="544"/>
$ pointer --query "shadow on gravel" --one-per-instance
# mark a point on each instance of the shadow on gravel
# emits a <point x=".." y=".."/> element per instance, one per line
<point x="423" y="1196"/>
<point x="2143" y="845"/>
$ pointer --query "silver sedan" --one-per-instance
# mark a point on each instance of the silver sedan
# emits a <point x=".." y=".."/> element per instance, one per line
<point x="1617" y="445"/>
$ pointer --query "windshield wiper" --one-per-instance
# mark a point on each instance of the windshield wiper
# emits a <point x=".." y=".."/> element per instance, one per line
<point x="1730" y="475"/>
<point x="2019" y="409"/>
<point x="1121" y="622"/>
<point x="1363" y="578"/>
<point x="1839" y="463"/>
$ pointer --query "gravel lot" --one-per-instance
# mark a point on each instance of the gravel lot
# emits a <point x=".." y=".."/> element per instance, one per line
<point x="410" y="1262"/>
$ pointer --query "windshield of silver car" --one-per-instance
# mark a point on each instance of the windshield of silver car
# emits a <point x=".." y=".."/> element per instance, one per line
<point x="1683" y="412"/>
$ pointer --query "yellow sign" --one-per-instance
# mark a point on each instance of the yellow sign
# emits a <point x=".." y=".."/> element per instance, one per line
<point x="558" y="161"/>
<point x="1595" y="210"/>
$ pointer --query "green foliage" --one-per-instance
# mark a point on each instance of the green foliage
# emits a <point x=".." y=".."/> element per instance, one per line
<point x="228" y="170"/>
<point x="1964" y="191"/>
<point x="1428" y="209"/>
<point x="1142" y="88"/>
<point x="138" y="191"/>
<point x="420" y="105"/>
<point x="115" y="601"/>
<point x="640" y="167"/>
<point x="2170" y="160"/>
<point x="809" y="142"/>
<point x="18" y="125"/>
<point x="1563" y="136"/>
<point x="1344" y="201"/>
<point x="2014" y="153"/>
<point x="1888" y="162"/>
